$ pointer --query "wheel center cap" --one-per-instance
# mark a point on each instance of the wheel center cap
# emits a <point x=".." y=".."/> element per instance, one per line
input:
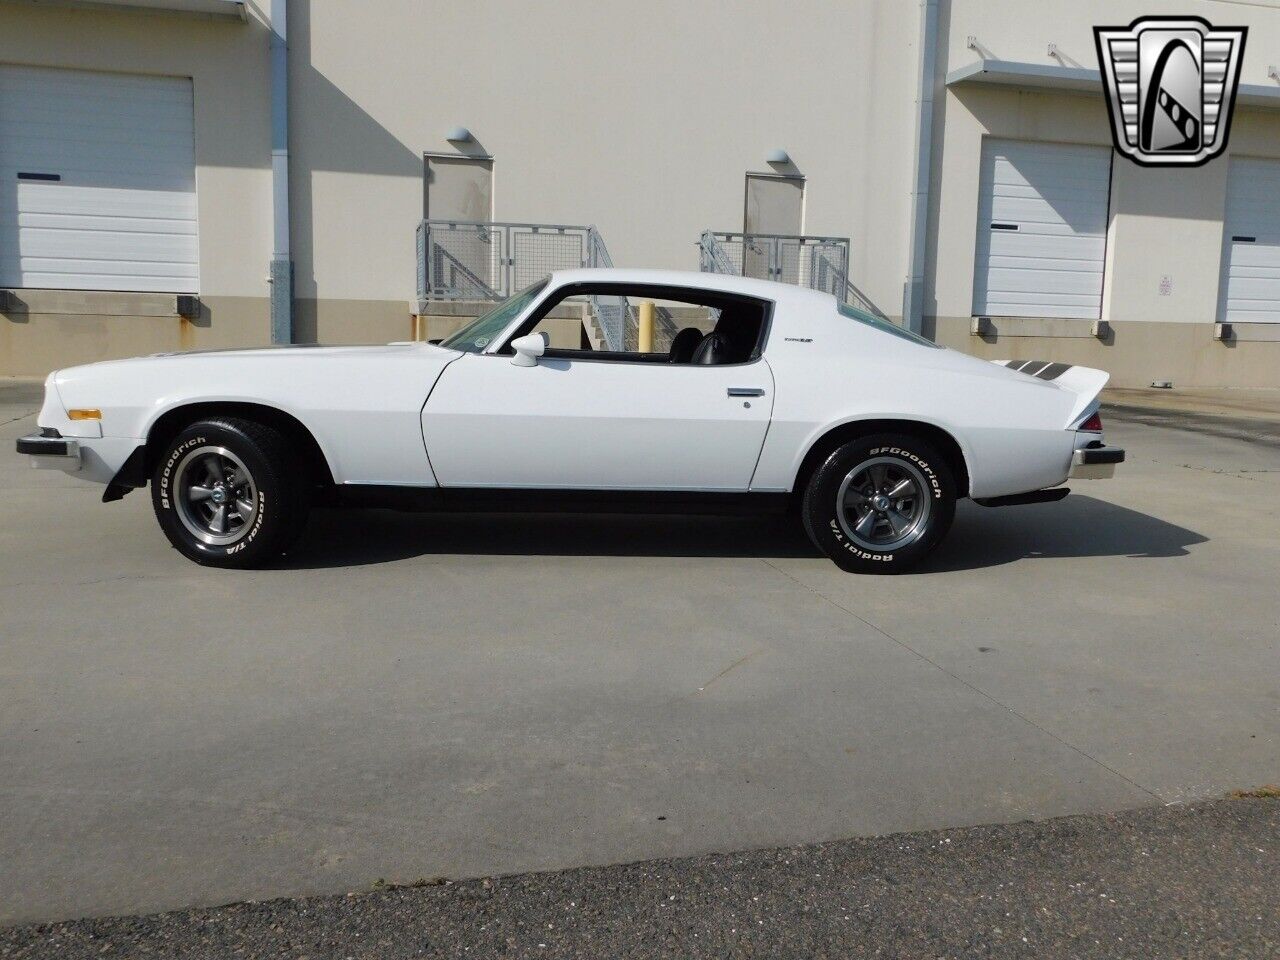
<point x="880" y="502"/>
<point x="219" y="495"/>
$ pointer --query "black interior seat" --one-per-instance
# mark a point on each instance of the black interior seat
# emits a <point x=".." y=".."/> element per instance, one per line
<point x="713" y="350"/>
<point x="732" y="341"/>
<point x="684" y="344"/>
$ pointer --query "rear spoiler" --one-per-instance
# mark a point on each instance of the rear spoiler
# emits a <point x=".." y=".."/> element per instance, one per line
<point x="1084" y="382"/>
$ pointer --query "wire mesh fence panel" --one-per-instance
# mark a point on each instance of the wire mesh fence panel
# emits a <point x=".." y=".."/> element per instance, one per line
<point x="424" y="285"/>
<point x="787" y="254"/>
<point x="460" y="260"/>
<point x="824" y="266"/>
<point x="537" y="251"/>
<point x="465" y="262"/>
<point x="820" y="263"/>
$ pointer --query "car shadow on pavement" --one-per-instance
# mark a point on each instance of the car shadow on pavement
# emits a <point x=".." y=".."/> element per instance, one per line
<point x="336" y="538"/>
<point x="1076" y="527"/>
<point x="1079" y="526"/>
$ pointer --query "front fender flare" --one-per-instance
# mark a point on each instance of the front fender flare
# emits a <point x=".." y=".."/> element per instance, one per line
<point x="131" y="476"/>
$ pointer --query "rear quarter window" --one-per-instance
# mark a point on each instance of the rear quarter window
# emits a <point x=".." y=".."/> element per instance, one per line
<point x="884" y="326"/>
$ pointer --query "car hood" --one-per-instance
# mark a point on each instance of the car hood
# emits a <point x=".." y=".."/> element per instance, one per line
<point x="289" y="354"/>
<point x="296" y="379"/>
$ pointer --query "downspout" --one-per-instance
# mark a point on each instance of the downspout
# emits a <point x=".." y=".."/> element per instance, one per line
<point x="913" y="289"/>
<point x="281" y="262"/>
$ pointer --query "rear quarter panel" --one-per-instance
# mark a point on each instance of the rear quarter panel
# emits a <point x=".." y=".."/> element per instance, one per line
<point x="831" y="370"/>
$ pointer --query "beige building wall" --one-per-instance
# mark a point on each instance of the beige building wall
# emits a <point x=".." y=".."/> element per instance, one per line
<point x="227" y="62"/>
<point x="642" y="119"/>
<point x="1163" y="223"/>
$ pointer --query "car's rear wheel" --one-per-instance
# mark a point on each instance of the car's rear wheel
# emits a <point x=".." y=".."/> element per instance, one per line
<point x="230" y="492"/>
<point x="880" y="503"/>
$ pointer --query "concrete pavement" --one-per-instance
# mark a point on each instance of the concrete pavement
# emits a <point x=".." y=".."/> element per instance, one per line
<point x="1241" y="404"/>
<point x="414" y="696"/>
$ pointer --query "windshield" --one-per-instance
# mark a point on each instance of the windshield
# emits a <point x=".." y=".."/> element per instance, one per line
<point x="853" y="313"/>
<point x="479" y="333"/>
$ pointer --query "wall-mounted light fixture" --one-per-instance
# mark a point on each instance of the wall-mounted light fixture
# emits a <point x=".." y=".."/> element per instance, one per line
<point x="458" y="135"/>
<point x="778" y="156"/>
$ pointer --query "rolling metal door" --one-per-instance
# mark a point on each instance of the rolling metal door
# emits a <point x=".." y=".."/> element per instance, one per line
<point x="1251" y="257"/>
<point x="97" y="181"/>
<point x="1042" y="230"/>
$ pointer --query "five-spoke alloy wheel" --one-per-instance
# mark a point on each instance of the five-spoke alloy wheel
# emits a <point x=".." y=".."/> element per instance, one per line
<point x="216" y="498"/>
<point x="884" y="503"/>
<point x="880" y="503"/>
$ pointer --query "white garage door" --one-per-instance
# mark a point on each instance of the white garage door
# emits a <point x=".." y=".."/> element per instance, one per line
<point x="1251" y="268"/>
<point x="97" y="181"/>
<point x="1042" y="230"/>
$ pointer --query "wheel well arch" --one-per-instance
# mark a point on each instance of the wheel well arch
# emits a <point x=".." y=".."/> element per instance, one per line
<point x="170" y="423"/>
<point x="822" y="448"/>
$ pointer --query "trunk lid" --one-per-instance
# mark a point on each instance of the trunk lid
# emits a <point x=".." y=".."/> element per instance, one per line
<point x="1084" y="383"/>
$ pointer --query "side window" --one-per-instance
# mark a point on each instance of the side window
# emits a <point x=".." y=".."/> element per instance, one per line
<point x="651" y="324"/>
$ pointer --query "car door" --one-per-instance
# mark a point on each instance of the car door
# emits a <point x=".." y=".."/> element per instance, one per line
<point x="597" y="424"/>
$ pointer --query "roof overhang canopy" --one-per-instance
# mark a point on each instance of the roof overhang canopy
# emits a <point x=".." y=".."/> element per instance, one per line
<point x="1041" y="76"/>
<point x="214" y="9"/>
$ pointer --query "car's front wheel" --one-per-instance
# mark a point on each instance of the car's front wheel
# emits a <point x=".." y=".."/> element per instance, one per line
<point x="229" y="492"/>
<point x="880" y="503"/>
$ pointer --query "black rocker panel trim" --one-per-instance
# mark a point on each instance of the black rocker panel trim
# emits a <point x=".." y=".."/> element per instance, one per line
<point x="505" y="500"/>
<point x="1052" y="495"/>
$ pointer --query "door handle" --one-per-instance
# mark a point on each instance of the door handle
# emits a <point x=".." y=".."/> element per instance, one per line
<point x="746" y="392"/>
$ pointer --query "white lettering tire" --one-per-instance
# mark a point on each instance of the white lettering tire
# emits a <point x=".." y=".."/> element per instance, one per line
<point x="229" y="493"/>
<point x="880" y="504"/>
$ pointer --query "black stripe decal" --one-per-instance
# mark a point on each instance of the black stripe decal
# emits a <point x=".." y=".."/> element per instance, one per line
<point x="1034" y="369"/>
<point x="52" y="177"/>
<point x="1053" y="371"/>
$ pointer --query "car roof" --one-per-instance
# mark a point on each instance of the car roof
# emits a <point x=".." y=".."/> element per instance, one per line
<point x="727" y="283"/>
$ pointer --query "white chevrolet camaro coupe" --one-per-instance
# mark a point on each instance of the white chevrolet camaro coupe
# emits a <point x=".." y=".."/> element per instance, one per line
<point x="774" y="397"/>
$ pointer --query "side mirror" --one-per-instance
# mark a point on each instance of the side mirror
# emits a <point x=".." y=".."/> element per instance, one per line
<point x="528" y="349"/>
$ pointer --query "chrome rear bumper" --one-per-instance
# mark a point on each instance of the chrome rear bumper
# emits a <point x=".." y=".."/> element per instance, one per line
<point x="1095" y="463"/>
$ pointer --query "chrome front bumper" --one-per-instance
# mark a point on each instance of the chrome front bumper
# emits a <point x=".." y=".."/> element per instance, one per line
<point x="1095" y="463"/>
<point x="49" y="450"/>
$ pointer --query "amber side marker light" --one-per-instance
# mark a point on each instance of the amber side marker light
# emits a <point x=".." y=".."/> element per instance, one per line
<point x="87" y="414"/>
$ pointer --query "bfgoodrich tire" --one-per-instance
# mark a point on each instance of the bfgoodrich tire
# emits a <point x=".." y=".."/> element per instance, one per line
<point x="230" y="493"/>
<point x="880" y="504"/>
